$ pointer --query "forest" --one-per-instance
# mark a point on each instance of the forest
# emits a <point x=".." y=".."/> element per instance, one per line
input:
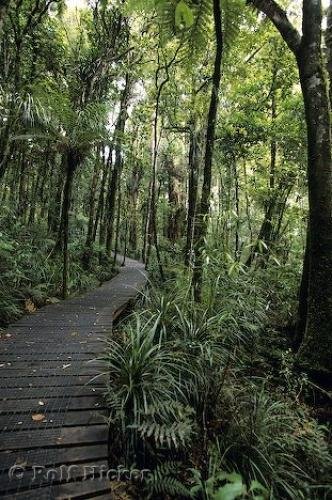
<point x="194" y="136"/>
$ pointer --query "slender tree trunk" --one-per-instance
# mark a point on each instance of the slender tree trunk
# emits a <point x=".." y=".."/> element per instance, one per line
<point x="103" y="203"/>
<point x="49" y="166"/>
<point x="92" y="195"/>
<point x="92" y="200"/>
<point x="118" y="220"/>
<point x="101" y="199"/>
<point x="248" y="212"/>
<point x="303" y="297"/>
<point x="72" y="161"/>
<point x="193" y="164"/>
<point x="111" y="204"/>
<point x="55" y="194"/>
<point x="265" y="235"/>
<point x="237" y="211"/>
<point x="174" y="222"/>
<point x="34" y="197"/>
<point x="133" y="191"/>
<point x="152" y="234"/>
<point x="204" y="209"/>
<point x="116" y="173"/>
<point x="22" y="200"/>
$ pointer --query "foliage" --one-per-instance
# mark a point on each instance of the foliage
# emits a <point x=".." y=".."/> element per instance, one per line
<point x="261" y="442"/>
<point x="30" y="276"/>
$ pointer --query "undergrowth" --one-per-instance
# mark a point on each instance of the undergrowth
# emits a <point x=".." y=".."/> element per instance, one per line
<point x="195" y="399"/>
<point x="31" y="275"/>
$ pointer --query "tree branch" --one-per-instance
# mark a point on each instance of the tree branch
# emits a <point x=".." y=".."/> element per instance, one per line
<point x="279" y="18"/>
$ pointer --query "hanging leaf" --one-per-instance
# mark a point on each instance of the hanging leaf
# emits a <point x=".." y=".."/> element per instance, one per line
<point x="184" y="17"/>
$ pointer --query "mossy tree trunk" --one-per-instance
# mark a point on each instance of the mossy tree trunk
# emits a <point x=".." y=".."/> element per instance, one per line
<point x="315" y="353"/>
<point x="316" y="350"/>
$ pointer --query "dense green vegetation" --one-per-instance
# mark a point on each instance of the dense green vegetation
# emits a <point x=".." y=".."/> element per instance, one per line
<point x="194" y="135"/>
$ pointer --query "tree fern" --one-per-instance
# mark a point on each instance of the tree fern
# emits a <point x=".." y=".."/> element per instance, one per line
<point x="191" y="21"/>
<point x="232" y="15"/>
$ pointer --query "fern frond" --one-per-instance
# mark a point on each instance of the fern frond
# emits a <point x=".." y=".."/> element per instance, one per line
<point x="163" y="480"/>
<point x="196" y="36"/>
<point x="169" y="424"/>
<point x="232" y="16"/>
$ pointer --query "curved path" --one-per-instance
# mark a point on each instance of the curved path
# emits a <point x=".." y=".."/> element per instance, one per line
<point x="53" y="433"/>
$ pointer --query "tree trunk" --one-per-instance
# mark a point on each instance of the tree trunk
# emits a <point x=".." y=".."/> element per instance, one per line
<point x="92" y="195"/>
<point x="101" y="199"/>
<point x="73" y="159"/>
<point x="23" y="187"/>
<point x="34" y="196"/>
<point x="302" y="298"/>
<point x="133" y="192"/>
<point x="118" y="220"/>
<point x="55" y="194"/>
<point x="111" y="203"/>
<point x="237" y="211"/>
<point x="328" y="43"/>
<point x="193" y="164"/>
<point x="118" y="135"/>
<point x="316" y="350"/>
<point x="102" y="210"/>
<point x="315" y="353"/>
<point x="204" y="209"/>
<point x="265" y="235"/>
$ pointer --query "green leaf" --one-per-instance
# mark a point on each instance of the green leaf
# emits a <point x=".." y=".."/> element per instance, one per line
<point x="256" y="487"/>
<point x="184" y="17"/>
<point x="6" y="247"/>
<point x="230" y="491"/>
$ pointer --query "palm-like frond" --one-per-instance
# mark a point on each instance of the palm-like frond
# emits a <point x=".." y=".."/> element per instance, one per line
<point x="196" y="27"/>
<point x="52" y="117"/>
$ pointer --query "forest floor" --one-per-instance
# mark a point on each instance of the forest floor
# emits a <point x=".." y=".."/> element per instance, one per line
<point x="52" y="417"/>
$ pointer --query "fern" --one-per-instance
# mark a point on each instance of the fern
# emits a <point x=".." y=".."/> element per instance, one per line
<point x="232" y="16"/>
<point x="195" y="35"/>
<point x="169" y="424"/>
<point x="163" y="480"/>
<point x="191" y="22"/>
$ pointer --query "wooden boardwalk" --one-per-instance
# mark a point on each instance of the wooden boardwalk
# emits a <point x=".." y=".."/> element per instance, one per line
<point x="52" y="416"/>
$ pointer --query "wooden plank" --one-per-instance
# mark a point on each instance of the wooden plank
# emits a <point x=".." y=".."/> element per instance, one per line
<point x="45" y="372"/>
<point x="46" y="438"/>
<point x="38" y="358"/>
<point x="37" y="478"/>
<point x="83" y="489"/>
<point x="21" y="393"/>
<point x="52" y="381"/>
<point x="53" y="456"/>
<point x="23" y="348"/>
<point x="52" y="404"/>
<point x="53" y="419"/>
